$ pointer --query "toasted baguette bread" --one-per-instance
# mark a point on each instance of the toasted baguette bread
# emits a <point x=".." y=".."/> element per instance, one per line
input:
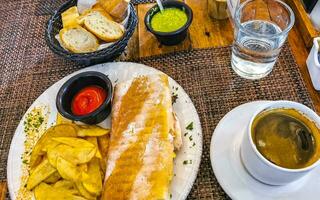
<point x="102" y="27"/>
<point x="116" y="8"/>
<point x="78" y="39"/>
<point x="98" y="7"/>
<point x="95" y="7"/>
<point x="69" y="17"/>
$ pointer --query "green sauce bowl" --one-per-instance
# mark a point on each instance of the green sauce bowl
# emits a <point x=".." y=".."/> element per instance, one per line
<point x="174" y="37"/>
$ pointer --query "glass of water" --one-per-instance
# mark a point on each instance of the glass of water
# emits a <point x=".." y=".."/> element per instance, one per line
<point x="261" y="28"/>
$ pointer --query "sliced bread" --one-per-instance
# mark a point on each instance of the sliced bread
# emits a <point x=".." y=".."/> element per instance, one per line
<point x="98" y="7"/>
<point x="78" y="40"/>
<point x="69" y="17"/>
<point x="116" y="8"/>
<point x="104" y="28"/>
<point x="95" y="7"/>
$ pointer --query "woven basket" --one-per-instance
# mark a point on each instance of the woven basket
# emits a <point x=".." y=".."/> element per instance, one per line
<point x="54" y="25"/>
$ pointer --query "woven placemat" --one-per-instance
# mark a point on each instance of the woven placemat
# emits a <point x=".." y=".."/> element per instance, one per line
<point x="205" y="74"/>
<point x="136" y="2"/>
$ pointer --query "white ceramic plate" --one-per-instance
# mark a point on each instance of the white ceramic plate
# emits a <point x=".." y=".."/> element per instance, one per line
<point x="185" y="174"/>
<point x="232" y="176"/>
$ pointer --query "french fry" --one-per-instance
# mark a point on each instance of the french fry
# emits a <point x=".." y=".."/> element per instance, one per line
<point x="62" y="130"/>
<point x="68" y="171"/>
<point x="53" y="178"/>
<point x="74" y="155"/>
<point x="47" y="192"/>
<point x="40" y="173"/>
<point x="93" y="183"/>
<point x="84" y="131"/>
<point x="94" y="141"/>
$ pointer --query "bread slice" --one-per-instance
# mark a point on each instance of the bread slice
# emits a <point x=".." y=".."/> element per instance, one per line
<point x="78" y="40"/>
<point x="116" y="8"/>
<point x="95" y="7"/>
<point x="98" y="7"/>
<point x="102" y="27"/>
<point x="69" y="17"/>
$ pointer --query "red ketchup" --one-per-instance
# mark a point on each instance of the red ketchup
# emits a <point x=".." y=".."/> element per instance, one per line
<point x="88" y="100"/>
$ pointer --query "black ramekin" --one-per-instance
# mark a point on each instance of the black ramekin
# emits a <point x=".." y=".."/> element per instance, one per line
<point x="170" y="38"/>
<point x="71" y="87"/>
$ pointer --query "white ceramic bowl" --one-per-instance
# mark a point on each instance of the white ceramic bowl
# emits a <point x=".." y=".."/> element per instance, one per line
<point x="314" y="65"/>
<point x="261" y="168"/>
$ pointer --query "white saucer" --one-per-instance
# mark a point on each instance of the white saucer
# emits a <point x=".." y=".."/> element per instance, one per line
<point x="233" y="177"/>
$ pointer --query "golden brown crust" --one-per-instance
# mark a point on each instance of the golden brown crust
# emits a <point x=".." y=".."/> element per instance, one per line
<point x="140" y="155"/>
<point x="116" y="8"/>
<point x="78" y="40"/>
<point x="102" y="27"/>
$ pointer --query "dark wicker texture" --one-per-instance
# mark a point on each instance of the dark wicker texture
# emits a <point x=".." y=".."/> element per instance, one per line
<point x="54" y="25"/>
<point x="136" y="2"/>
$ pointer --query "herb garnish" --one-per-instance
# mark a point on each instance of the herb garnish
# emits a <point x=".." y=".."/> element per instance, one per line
<point x="174" y="98"/>
<point x="185" y="162"/>
<point x="190" y="126"/>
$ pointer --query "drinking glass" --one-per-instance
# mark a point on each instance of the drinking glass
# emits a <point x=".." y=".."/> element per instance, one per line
<point x="261" y="28"/>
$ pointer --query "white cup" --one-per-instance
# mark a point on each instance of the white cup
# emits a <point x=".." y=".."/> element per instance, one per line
<point x="261" y="168"/>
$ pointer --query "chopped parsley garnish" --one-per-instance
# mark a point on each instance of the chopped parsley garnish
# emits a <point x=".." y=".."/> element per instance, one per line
<point x="185" y="162"/>
<point x="190" y="126"/>
<point x="185" y="134"/>
<point x="174" y="98"/>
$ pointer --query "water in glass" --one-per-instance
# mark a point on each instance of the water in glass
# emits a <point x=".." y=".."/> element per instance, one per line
<point x="255" y="48"/>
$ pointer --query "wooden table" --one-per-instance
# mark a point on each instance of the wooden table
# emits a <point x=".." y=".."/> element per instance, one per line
<point x="204" y="33"/>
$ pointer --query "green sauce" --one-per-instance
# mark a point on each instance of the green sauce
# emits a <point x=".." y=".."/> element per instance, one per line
<point x="171" y="19"/>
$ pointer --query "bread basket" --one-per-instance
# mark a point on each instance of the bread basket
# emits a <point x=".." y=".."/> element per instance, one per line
<point x="54" y="25"/>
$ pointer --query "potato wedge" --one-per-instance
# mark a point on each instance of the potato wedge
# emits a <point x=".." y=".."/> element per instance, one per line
<point x="46" y="192"/>
<point x="62" y="120"/>
<point x="83" y="192"/>
<point x="40" y="173"/>
<point x="84" y="131"/>
<point x="103" y="143"/>
<point x="64" y="184"/>
<point x="49" y="145"/>
<point x="67" y="186"/>
<point x="93" y="183"/>
<point x="73" y="155"/>
<point x="53" y="178"/>
<point x="103" y="167"/>
<point x="74" y="142"/>
<point x="68" y="171"/>
<point x="94" y="141"/>
<point x="62" y="130"/>
<point x="83" y="167"/>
